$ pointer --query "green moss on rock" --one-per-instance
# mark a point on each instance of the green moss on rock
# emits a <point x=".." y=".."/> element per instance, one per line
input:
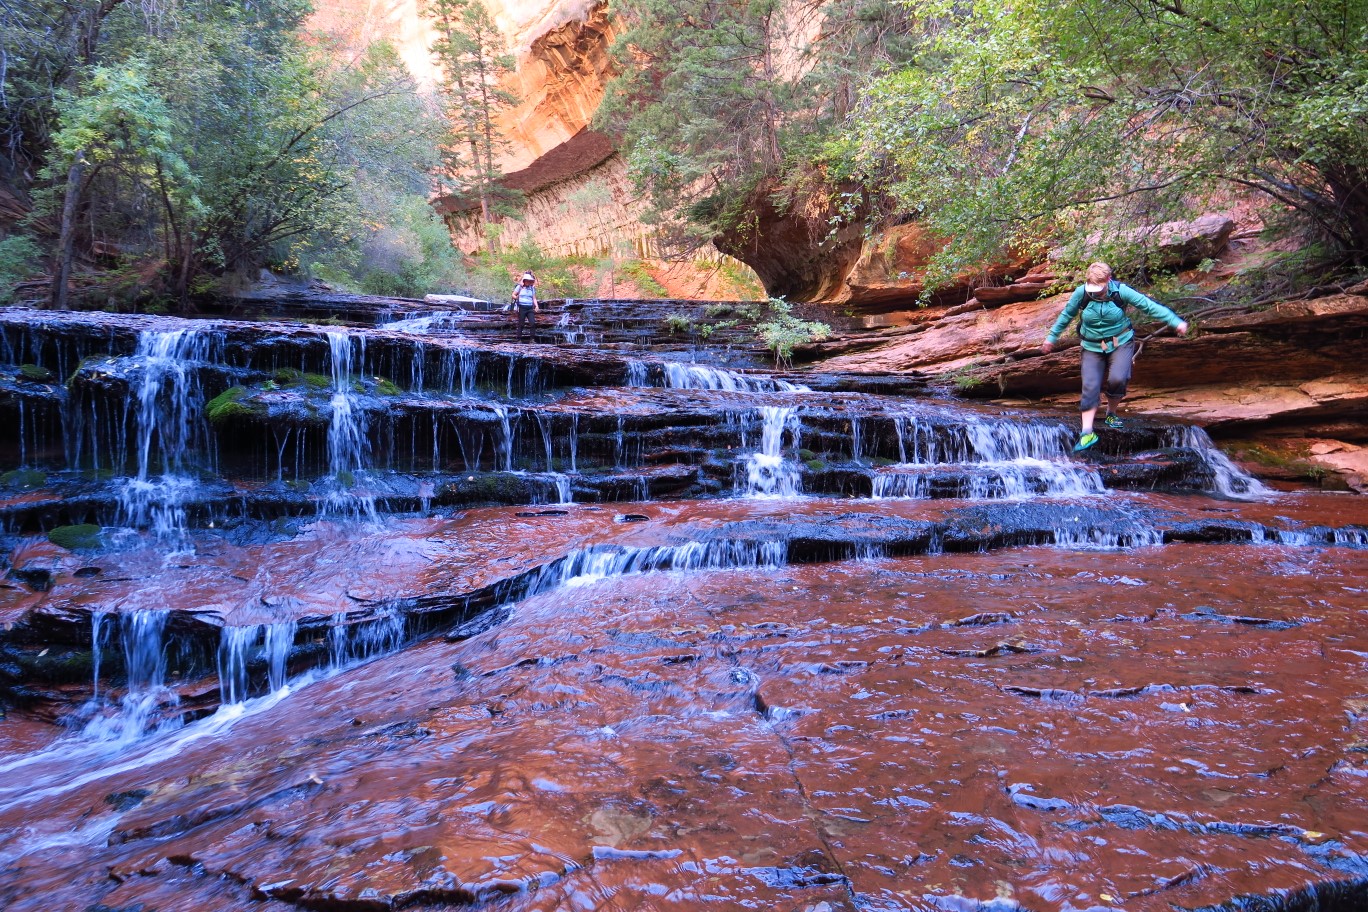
<point x="86" y="535"/>
<point x="494" y="487"/>
<point x="35" y="373"/>
<point x="86" y="364"/>
<point x="386" y="387"/>
<point x="24" y="479"/>
<point x="57" y="666"/>
<point x="227" y="405"/>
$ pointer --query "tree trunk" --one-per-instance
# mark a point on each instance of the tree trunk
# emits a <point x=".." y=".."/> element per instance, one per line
<point x="66" y="240"/>
<point x="88" y="43"/>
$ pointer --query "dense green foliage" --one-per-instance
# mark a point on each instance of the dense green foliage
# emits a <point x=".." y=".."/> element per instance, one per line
<point x="719" y="101"/>
<point x="19" y="258"/>
<point x="1003" y="127"/>
<point x="1082" y="119"/>
<point x="772" y="321"/>
<point x="493" y="274"/>
<point x="782" y="330"/>
<point x="212" y="137"/>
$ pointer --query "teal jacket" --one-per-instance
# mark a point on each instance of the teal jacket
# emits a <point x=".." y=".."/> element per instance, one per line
<point x="1103" y="321"/>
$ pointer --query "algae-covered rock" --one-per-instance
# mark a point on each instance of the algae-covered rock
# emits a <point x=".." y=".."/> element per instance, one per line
<point x="23" y="479"/>
<point x="227" y="404"/>
<point x="85" y="535"/>
<point x="489" y="488"/>
<point x="35" y="373"/>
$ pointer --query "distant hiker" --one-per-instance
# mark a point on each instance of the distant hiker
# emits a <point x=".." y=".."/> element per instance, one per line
<point x="525" y="303"/>
<point x="1107" y="340"/>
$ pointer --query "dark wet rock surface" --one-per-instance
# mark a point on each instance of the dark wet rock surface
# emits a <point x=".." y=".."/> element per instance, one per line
<point x="397" y="614"/>
<point x="862" y="740"/>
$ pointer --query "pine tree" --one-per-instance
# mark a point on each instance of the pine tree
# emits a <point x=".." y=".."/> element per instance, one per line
<point x="470" y="50"/>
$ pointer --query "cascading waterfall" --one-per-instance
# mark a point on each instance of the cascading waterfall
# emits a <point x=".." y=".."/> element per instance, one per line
<point x="142" y="636"/>
<point x="167" y="411"/>
<point x="700" y="377"/>
<point x="545" y="426"/>
<point x="239" y="646"/>
<point x="504" y="446"/>
<point x="349" y="643"/>
<point x="768" y="473"/>
<point x="560" y="487"/>
<point x="97" y="619"/>
<point x="1103" y="540"/>
<point x="590" y="565"/>
<point x="442" y="321"/>
<point x="985" y="459"/>
<point x="468" y="363"/>
<point x="348" y="445"/>
<point x="574" y="441"/>
<point x="1227" y="478"/>
<point x="638" y="373"/>
<point x="142" y="632"/>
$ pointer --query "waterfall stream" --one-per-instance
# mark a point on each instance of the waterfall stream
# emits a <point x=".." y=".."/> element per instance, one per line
<point x="402" y="614"/>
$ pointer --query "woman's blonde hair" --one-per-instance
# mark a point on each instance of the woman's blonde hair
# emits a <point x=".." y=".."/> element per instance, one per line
<point x="1098" y="274"/>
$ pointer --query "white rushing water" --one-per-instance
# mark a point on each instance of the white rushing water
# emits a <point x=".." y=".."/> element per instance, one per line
<point x="348" y="445"/>
<point x="441" y="321"/>
<point x="981" y="459"/>
<point x="1227" y="478"/>
<point x="171" y="439"/>
<point x="591" y="565"/>
<point x="768" y="472"/>
<point x="676" y="375"/>
<point x="146" y="698"/>
<point x="239" y="647"/>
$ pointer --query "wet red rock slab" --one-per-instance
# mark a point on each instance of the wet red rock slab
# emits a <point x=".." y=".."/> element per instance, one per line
<point x="331" y="568"/>
<point x="1162" y="728"/>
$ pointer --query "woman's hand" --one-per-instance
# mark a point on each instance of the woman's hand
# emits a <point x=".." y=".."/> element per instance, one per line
<point x="1047" y="347"/>
<point x="1181" y="329"/>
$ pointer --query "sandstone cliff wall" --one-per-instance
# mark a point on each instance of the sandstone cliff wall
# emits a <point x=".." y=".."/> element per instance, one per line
<point x="587" y="213"/>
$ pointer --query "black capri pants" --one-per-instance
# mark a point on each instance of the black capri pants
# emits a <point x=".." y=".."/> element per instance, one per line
<point x="526" y="316"/>
<point x="1115" y="365"/>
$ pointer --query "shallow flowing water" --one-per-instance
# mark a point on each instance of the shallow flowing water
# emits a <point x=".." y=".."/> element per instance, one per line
<point x="436" y="620"/>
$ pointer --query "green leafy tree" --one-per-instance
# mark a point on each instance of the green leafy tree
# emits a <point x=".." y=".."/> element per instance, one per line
<point x="471" y="52"/>
<point x="217" y="135"/>
<point x="43" y="44"/>
<point x="720" y="102"/>
<point x="701" y="104"/>
<point x="1082" y="119"/>
<point x="120" y="129"/>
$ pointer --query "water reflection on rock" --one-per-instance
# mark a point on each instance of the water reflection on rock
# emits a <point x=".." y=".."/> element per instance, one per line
<point x="428" y="620"/>
<point x="891" y="733"/>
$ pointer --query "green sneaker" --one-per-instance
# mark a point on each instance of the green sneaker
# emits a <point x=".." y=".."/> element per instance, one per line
<point x="1113" y="421"/>
<point x="1085" y="441"/>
